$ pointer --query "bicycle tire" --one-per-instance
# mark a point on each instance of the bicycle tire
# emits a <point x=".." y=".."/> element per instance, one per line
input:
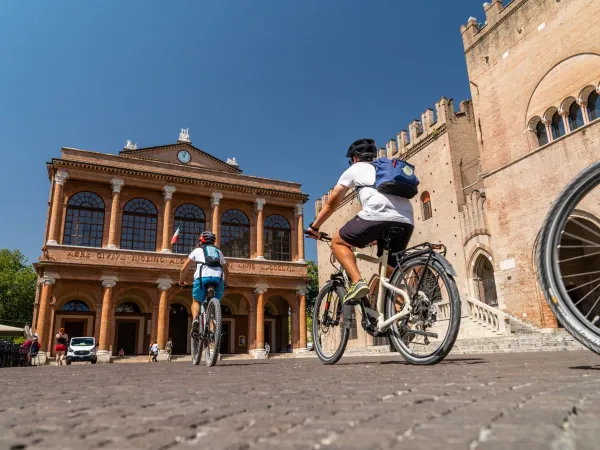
<point x="213" y="308"/>
<point x="341" y="293"/>
<point x="196" y="349"/>
<point x="454" y="322"/>
<point x="548" y="273"/>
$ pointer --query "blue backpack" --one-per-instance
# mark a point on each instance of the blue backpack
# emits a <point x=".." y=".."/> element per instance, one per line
<point x="211" y="256"/>
<point x="395" y="177"/>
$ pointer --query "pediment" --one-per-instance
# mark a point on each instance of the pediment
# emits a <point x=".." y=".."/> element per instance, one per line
<point x="169" y="153"/>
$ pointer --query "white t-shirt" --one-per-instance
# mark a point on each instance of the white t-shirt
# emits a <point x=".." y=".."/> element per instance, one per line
<point x="197" y="256"/>
<point x="375" y="205"/>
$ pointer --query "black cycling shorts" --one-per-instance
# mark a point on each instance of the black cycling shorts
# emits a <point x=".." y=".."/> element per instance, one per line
<point x="360" y="233"/>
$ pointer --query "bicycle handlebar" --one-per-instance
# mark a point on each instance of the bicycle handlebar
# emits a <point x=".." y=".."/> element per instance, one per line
<point x="324" y="236"/>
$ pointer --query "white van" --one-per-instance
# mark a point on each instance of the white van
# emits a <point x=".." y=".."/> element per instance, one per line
<point x="82" y="349"/>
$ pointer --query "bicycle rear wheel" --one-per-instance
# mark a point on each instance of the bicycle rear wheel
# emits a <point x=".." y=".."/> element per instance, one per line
<point x="568" y="258"/>
<point x="196" y="349"/>
<point x="330" y="337"/>
<point x="212" y="331"/>
<point x="436" y="309"/>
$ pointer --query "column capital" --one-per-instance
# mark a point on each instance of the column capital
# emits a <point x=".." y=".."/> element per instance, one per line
<point x="299" y="210"/>
<point x="260" y="289"/>
<point x="545" y="121"/>
<point x="583" y="103"/>
<point x="301" y="290"/>
<point x="168" y="191"/>
<point x="215" y="198"/>
<point x="46" y="279"/>
<point x="563" y="114"/>
<point x="259" y="203"/>
<point x="117" y="184"/>
<point x="164" y="284"/>
<point x="109" y="281"/>
<point x="61" y="176"/>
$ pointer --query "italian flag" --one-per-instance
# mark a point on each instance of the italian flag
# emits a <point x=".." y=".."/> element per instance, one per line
<point x="175" y="237"/>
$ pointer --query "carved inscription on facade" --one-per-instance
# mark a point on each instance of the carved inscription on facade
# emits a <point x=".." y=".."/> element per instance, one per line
<point x="128" y="258"/>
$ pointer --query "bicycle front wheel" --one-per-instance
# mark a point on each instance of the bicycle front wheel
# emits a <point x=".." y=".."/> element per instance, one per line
<point x="436" y="309"/>
<point x="568" y="258"/>
<point x="212" y="331"/>
<point x="330" y="337"/>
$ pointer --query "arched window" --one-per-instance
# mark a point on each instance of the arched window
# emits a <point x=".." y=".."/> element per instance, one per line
<point x="138" y="231"/>
<point x="426" y="205"/>
<point x="191" y="222"/>
<point x="84" y="222"/>
<point x="557" y="126"/>
<point x="593" y="106"/>
<point x="542" y="135"/>
<point x="575" y="116"/>
<point x="128" y="307"/>
<point x="277" y="239"/>
<point x="235" y="234"/>
<point x="76" y="305"/>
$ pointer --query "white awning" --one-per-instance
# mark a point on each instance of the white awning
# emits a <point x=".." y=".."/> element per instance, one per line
<point x="6" y="330"/>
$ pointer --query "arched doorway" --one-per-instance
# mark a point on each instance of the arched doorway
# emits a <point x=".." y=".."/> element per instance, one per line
<point x="278" y="324"/>
<point x="580" y="263"/>
<point x="485" y="285"/>
<point x="178" y="327"/>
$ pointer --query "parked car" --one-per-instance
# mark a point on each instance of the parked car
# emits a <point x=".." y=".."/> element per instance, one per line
<point x="82" y="349"/>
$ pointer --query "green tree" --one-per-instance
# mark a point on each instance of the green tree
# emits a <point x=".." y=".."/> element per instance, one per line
<point x="17" y="288"/>
<point x="311" y="295"/>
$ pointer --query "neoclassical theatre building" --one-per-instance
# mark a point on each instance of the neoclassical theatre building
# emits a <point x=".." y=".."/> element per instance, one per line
<point x="108" y="268"/>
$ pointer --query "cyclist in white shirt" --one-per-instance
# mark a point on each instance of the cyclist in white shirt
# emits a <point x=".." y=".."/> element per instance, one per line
<point x="379" y="211"/>
<point x="211" y="267"/>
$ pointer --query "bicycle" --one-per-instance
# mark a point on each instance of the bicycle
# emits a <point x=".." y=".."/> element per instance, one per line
<point x="410" y="309"/>
<point x="567" y="238"/>
<point x="209" y="335"/>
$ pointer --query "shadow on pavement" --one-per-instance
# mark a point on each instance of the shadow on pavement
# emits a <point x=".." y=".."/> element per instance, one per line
<point x="457" y="361"/>
<point x="585" y="367"/>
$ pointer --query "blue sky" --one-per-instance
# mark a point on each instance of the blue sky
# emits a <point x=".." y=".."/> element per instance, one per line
<point x="285" y="86"/>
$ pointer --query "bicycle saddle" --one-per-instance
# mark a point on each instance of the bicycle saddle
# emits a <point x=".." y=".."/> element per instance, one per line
<point x="391" y="232"/>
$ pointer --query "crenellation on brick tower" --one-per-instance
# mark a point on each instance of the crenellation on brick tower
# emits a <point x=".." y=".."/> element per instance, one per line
<point x="382" y="153"/>
<point x="414" y="129"/>
<point x="445" y="110"/>
<point x="469" y="32"/>
<point x="492" y="11"/>
<point x="428" y="120"/>
<point x="402" y="140"/>
<point x="390" y="148"/>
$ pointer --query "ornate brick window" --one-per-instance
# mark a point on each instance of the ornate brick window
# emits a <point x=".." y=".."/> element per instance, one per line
<point x="235" y="234"/>
<point x="76" y="305"/>
<point x="426" y="206"/>
<point x="557" y="126"/>
<point x="593" y="106"/>
<point x="84" y="221"/>
<point x="575" y="116"/>
<point x="138" y="231"/>
<point x="277" y="239"/>
<point x="191" y="221"/>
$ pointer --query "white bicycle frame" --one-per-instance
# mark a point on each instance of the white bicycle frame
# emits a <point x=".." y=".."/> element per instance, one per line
<point x="384" y="283"/>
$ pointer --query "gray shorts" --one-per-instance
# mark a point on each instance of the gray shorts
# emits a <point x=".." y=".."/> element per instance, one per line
<point x="360" y="233"/>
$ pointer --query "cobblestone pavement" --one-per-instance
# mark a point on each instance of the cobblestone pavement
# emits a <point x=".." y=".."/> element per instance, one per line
<point x="521" y="400"/>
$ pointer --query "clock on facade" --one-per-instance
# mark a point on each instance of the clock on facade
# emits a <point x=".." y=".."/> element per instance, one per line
<point x="184" y="156"/>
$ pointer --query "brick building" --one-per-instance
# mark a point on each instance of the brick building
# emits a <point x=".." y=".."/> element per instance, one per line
<point x="490" y="171"/>
<point x="108" y="268"/>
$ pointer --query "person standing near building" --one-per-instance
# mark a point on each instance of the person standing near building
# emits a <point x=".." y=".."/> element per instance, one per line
<point x="154" y="352"/>
<point x="61" y="346"/>
<point x="169" y="349"/>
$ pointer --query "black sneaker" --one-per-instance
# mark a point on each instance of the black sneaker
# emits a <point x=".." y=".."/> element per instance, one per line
<point x="195" y="326"/>
<point x="356" y="292"/>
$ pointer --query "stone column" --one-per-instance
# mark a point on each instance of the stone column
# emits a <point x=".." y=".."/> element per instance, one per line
<point x="584" y="112"/>
<point x="166" y="240"/>
<point x="565" y="118"/>
<point x="43" y="325"/>
<point x="117" y="184"/>
<point x="108" y="283"/>
<point x="216" y="216"/>
<point x="59" y="181"/>
<point x="97" y="321"/>
<point x="154" y="323"/>
<point x="548" y="130"/>
<point x="301" y="291"/>
<point x="259" y="351"/>
<point x="300" y="220"/>
<point x="163" y="313"/>
<point x="260" y="229"/>
<point x="251" y="329"/>
<point x="295" y="330"/>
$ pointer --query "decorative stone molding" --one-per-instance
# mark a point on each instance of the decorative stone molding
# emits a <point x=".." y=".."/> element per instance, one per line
<point x="216" y="198"/>
<point x="260" y="203"/>
<point x="109" y="281"/>
<point x="184" y="136"/>
<point x="60" y="177"/>
<point x="46" y="279"/>
<point x="260" y="289"/>
<point x="117" y="184"/>
<point x="168" y="192"/>
<point x="164" y="284"/>
<point x="301" y="290"/>
<point x="299" y="210"/>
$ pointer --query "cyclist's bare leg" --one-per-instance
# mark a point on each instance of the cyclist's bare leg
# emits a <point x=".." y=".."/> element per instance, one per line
<point x="195" y="309"/>
<point x="343" y="253"/>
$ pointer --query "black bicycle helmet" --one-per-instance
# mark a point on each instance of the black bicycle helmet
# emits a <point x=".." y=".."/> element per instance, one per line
<point x="207" y="238"/>
<point x="363" y="149"/>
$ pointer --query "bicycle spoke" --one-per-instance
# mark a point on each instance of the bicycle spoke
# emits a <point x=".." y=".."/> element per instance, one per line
<point x="579" y="238"/>
<point x="585" y="227"/>
<point x="592" y="308"/>
<point x="586" y="295"/>
<point x="578" y="257"/>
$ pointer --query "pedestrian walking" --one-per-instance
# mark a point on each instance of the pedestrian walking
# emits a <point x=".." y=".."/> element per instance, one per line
<point x="61" y="346"/>
<point x="34" y="349"/>
<point x="267" y="349"/>
<point x="154" y="351"/>
<point x="169" y="349"/>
